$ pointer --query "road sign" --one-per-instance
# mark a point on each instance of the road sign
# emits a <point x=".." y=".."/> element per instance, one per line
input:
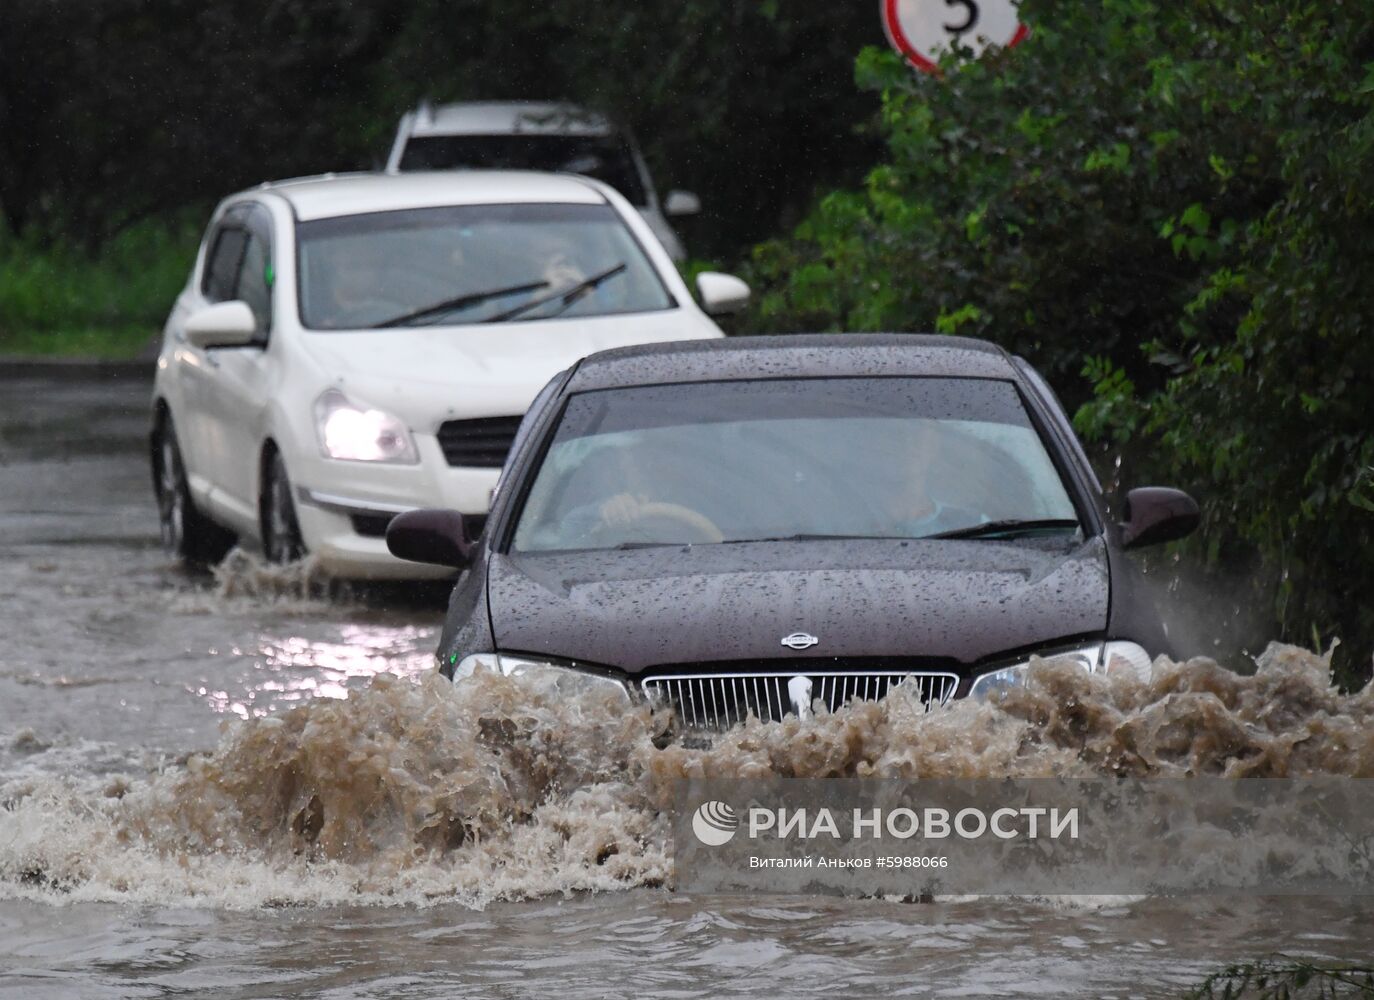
<point x="924" y="30"/>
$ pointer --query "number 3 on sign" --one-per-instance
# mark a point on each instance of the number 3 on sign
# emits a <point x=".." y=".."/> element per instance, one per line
<point x="924" y="30"/>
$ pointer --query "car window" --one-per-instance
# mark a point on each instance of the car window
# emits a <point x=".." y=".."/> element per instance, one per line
<point x="734" y="461"/>
<point x="222" y="264"/>
<point x="254" y="286"/>
<point x="606" y="158"/>
<point x="472" y="264"/>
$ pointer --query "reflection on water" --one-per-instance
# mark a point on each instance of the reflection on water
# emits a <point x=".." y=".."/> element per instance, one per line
<point x="292" y="669"/>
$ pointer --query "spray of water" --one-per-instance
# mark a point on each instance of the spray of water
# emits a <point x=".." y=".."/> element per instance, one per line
<point x="499" y="788"/>
<point x="243" y="575"/>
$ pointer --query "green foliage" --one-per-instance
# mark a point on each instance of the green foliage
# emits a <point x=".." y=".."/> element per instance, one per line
<point x="1285" y="979"/>
<point x="122" y="111"/>
<point x="1167" y="208"/>
<point x="59" y="299"/>
<point x="116" y="110"/>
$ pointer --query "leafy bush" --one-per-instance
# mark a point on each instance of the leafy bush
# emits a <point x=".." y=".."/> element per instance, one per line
<point x="59" y="299"/>
<point x="1166" y="207"/>
<point x="1282" y="978"/>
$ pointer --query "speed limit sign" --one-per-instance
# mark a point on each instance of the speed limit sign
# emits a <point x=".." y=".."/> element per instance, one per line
<point x="924" y="30"/>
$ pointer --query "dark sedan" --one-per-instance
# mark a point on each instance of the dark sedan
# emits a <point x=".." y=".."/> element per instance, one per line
<point x="763" y="525"/>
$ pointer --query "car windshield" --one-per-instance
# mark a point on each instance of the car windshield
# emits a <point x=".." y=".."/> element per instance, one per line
<point x="793" y="459"/>
<point x="471" y="264"/>
<point x="604" y="157"/>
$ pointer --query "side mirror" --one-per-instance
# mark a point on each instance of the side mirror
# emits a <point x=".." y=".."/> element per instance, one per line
<point x="721" y="294"/>
<point x="436" y="537"/>
<point x="1156" y="514"/>
<point x="681" y="203"/>
<point x="224" y="324"/>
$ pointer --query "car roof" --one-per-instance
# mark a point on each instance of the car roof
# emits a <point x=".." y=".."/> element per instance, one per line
<point x="507" y="117"/>
<point x="793" y="356"/>
<point x="332" y="195"/>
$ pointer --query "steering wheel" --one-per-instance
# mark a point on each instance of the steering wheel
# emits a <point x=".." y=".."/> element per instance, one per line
<point x="669" y="516"/>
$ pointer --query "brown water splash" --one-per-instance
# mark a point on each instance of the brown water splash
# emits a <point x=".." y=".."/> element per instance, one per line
<point x="395" y="774"/>
<point x="497" y="788"/>
<point x="243" y="575"/>
<point x="1198" y="718"/>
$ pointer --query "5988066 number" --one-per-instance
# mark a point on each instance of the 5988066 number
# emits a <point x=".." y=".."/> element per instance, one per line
<point x="911" y="861"/>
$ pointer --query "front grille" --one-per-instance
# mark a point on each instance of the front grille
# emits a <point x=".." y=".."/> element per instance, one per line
<point x="371" y="525"/>
<point x="480" y="444"/>
<point x="719" y="701"/>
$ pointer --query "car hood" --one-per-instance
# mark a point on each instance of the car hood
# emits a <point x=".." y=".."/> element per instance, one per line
<point x="961" y="601"/>
<point x="486" y="370"/>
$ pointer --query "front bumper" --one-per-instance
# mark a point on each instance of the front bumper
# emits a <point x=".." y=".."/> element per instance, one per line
<point x="343" y="508"/>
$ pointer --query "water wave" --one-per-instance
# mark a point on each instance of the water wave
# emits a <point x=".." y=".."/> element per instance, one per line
<point x="497" y="788"/>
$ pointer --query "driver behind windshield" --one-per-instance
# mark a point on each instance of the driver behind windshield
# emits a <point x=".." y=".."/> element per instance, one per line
<point x="356" y="291"/>
<point x="911" y="495"/>
<point x="918" y="499"/>
<point x="624" y="504"/>
<point x="697" y="463"/>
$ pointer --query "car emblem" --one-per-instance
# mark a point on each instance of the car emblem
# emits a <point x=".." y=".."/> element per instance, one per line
<point x="799" y="640"/>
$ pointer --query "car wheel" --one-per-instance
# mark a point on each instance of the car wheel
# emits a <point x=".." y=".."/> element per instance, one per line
<point x="281" y="532"/>
<point x="187" y="534"/>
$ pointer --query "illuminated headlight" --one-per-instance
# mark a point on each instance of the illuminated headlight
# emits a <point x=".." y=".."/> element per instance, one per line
<point x="1099" y="657"/>
<point x="357" y="433"/>
<point x="564" y="680"/>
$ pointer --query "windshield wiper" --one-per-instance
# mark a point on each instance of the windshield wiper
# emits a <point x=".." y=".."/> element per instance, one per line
<point x="1008" y="527"/>
<point x="568" y="295"/>
<point x="461" y="302"/>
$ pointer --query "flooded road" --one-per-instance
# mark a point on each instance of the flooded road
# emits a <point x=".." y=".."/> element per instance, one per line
<point x="154" y="844"/>
<point x="112" y="652"/>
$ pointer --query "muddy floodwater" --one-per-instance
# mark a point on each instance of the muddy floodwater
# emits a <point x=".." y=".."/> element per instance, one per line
<point x="244" y="786"/>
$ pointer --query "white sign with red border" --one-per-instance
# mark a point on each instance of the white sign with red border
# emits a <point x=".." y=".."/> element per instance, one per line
<point x="924" y="30"/>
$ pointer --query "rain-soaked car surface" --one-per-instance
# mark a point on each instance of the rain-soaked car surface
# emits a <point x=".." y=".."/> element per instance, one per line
<point x="771" y="525"/>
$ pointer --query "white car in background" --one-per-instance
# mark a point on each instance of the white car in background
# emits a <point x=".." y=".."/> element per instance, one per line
<point x="534" y="135"/>
<point x="348" y="348"/>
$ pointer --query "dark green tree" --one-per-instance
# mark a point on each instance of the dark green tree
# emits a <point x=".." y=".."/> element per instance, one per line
<point x="114" y="110"/>
<point x="1171" y="200"/>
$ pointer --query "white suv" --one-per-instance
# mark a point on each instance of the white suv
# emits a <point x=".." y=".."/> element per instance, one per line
<point x="351" y="347"/>
<point x="530" y="135"/>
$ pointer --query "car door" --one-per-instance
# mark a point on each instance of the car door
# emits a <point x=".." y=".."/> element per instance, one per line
<point x="196" y="367"/>
<point x="238" y="393"/>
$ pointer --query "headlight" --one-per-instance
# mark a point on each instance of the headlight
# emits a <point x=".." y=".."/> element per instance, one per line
<point x="1099" y="657"/>
<point x="360" y="434"/>
<point x="562" y="679"/>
